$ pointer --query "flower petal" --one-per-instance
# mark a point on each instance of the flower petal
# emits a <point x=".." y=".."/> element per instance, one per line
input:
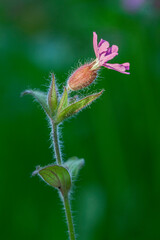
<point x="114" y="48"/>
<point x="103" y="46"/>
<point x="106" y="58"/>
<point x="101" y="42"/>
<point x="126" y="65"/>
<point x="109" y="54"/>
<point x="95" y="44"/>
<point x="118" y="67"/>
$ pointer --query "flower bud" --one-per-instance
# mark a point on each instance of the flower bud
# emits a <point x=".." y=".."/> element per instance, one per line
<point x="82" y="77"/>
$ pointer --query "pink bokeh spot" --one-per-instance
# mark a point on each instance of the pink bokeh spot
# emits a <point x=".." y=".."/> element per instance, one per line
<point x="104" y="53"/>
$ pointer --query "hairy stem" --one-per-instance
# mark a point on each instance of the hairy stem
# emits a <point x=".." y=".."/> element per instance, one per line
<point x="56" y="143"/>
<point x="69" y="218"/>
<point x="65" y="198"/>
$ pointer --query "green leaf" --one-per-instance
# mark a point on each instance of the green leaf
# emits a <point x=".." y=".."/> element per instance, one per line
<point x="76" y="107"/>
<point x="74" y="165"/>
<point x="55" y="176"/>
<point x="64" y="101"/>
<point x="41" y="98"/>
<point x="52" y="96"/>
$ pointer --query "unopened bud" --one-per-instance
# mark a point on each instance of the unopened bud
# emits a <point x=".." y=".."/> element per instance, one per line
<point x="82" y="77"/>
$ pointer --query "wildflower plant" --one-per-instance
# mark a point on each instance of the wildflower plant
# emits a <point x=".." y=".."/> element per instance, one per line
<point x="60" y="174"/>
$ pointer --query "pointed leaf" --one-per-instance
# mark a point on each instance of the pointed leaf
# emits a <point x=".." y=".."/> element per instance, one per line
<point x="74" y="165"/>
<point x="52" y="96"/>
<point x="56" y="176"/>
<point x="64" y="101"/>
<point x="76" y="107"/>
<point x="41" y="98"/>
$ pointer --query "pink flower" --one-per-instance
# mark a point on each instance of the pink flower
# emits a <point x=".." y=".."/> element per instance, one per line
<point x="87" y="73"/>
<point x="104" y="53"/>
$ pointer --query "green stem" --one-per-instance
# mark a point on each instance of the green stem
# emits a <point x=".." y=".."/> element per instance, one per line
<point x="65" y="198"/>
<point x="69" y="218"/>
<point x="56" y="143"/>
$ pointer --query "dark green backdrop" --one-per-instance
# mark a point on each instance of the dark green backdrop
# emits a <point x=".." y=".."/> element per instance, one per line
<point x="118" y="191"/>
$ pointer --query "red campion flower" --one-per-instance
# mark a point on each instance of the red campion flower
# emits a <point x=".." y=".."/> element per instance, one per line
<point x="104" y="53"/>
<point x="87" y="73"/>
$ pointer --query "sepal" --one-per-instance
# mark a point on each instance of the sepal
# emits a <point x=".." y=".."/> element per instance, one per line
<point x="55" y="176"/>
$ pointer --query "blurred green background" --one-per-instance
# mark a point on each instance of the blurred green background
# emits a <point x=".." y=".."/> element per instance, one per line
<point x="117" y="195"/>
